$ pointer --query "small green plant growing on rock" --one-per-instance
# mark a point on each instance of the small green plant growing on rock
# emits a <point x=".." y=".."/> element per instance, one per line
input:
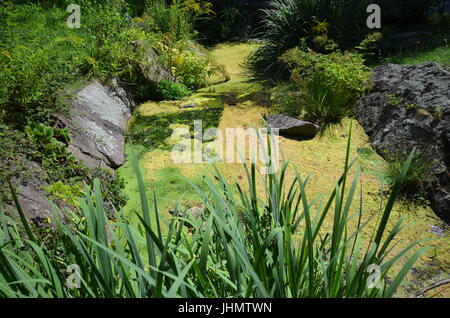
<point x="411" y="106"/>
<point x="394" y="100"/>
<point x="438" y="112"/>
<point x="67" y="193"/>
<point x="52" y="141"/>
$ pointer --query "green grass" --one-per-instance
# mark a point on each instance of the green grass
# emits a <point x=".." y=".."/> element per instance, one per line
<point x="419" y="178"/>
<point x="243" y="246"/>
<point x="439" y="54"/>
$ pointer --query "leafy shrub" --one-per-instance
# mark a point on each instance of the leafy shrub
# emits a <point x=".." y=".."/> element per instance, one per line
<point x="175" y="20"/>
<point x="53" y="142"/>
<point x="187" y="63"/>
<point x="370" y="47"/>
<point x="343" y="69"/>
<point x="193" y="68"/>
<point x="167" y="90"/>
<point x="288" y="21"/>
<point x="327" y="83"/>
<point x="67" y="193"/>
<point x="245" y="247"/>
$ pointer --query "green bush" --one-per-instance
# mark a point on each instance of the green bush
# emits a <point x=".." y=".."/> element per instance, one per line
<point x="327" y="84"/>
<point x="53" y="142"/>
<point x="187" y="62"/>
<point x="167" y="90"/>
<point x="171" y="20"/>
<point x="243" y="246"/>
<point x="67" y="193"/>
<point x="193" y="68"/>
<point x="288" y="21"/>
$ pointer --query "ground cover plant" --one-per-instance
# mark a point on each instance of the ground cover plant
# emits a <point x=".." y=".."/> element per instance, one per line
<point x="167" y="90"/>
<point x="245" y="246"/>
<point x="152" y="131"/>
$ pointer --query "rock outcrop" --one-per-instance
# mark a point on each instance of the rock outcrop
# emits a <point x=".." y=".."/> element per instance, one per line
<point x="32" y="197"/>
<point x="408" y="40"/>
<point x="98" y="114"/>
<point x="149" y="64"/>
<point x="293" y="127"/>
<point x="97" y="118"/>
<point x="409" y="106"/>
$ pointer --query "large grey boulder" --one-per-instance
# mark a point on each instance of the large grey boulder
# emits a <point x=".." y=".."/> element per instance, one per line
<point x="409" y="106"/>
<point x="293" y="127"/>
<point x="97" y="119"/>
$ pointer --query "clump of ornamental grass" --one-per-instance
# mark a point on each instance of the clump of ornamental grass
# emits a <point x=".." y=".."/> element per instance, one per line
<point x="244" y="245"/>
<point x="287" y="21"/>
<point x="420" y="177"/>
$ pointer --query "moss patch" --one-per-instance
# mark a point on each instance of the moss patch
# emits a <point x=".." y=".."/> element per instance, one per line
<point x="323" y="157"/>
<point x="154" y="131"/>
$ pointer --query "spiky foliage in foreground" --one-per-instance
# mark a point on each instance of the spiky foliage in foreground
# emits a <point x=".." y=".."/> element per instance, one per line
<point x="244" y="246"/>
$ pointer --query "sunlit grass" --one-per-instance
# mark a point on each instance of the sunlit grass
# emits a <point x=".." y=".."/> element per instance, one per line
<point x="439" y="54"/>
<point x="244" y="245"/>
<point x="320" y="157"/>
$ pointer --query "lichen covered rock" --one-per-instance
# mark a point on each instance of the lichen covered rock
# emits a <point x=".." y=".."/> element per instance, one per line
<point x="97" y="119"/>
